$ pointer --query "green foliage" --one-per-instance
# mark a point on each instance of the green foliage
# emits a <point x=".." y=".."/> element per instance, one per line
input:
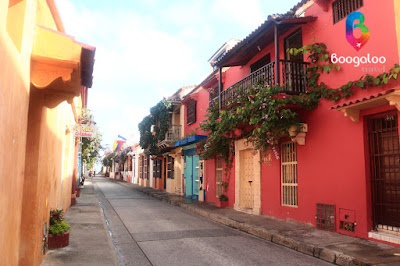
<point x="91" y="149"/>
<point x="223" y="197"/>
<point x="90" y="146"/>
<point x="57" y="223"/>
<point x="120" y="157"/>
<point x="160" y="118"/>
<point x="108" y="158"/>
<point x="264" y="114"/>
<point x="59" y="228"/>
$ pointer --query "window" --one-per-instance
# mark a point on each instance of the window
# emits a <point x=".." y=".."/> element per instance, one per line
<point x="342" y="8"/>
<point x="191" y="113"/>
<point x="214" y="94"/>
<point x="289" y="174"/>
<point x="134" y="166"/>
<point x="157" y="168"/>
<point x="260" y="63"/>
<point x="170" y="167"/>
<point x="218" y="176"/>
<point x="146" y="167"/>
<point x="141" y="167"/>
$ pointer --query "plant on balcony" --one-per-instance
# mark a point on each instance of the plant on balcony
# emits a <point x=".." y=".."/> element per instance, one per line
<point x="160" y="118"/>
<point x="261" y="111"/>
<point x="121" y="156"/>
<point x="58" y="230"/>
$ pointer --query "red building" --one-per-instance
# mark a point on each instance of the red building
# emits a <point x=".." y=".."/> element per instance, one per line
<point x="341" y="173"/>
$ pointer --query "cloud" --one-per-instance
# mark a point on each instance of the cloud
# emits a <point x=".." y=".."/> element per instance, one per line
<point x="246" y="14"/>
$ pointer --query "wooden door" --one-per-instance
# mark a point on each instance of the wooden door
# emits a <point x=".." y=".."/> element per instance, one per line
<point x="385" y="173"/>
<point x="246" y="179"/>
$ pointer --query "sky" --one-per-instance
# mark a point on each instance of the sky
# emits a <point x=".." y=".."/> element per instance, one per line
<point x="148" y="49"/>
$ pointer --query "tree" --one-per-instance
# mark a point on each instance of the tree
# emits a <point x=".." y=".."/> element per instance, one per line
<point x="91" y="149"/>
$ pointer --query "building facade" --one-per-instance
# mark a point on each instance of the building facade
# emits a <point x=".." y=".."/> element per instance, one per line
<point x="44" y="84"/>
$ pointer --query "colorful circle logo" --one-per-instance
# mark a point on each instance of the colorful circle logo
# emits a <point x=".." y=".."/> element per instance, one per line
<point x="357" y="43"/>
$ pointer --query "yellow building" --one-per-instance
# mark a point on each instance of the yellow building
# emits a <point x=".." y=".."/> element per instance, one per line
<point x="44" y="76"/>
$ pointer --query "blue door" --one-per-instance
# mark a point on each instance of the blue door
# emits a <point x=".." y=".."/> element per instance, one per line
<point x="192" y="176"/>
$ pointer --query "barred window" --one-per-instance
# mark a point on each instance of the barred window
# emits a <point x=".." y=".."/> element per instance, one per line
<point x="191" y="112"/>
<point x="170" y="167"/>
<point x="218" y="176"/>
<point x="141" y="167"/>
<point x="146" y="167"/>
<point x="289" y="174"/>
<point x="342" y="8"/>
<point x="214" y="95"/>
<point x="157" y="168"/>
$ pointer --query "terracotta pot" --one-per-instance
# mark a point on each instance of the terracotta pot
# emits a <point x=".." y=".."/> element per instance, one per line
<point x="221" y="204"/>
<point x="58" y="241"/>
<point x="78" y="191"/>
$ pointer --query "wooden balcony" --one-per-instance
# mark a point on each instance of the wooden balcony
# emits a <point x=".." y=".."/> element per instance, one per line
<point x="173" y="134"/>
<point x="291" y="74"/>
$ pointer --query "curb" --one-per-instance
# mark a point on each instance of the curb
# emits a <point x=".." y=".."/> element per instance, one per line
<point x="324" y="254"/>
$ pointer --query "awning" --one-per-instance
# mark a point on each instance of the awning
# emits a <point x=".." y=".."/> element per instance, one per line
<point x="189" y="140"/>
<point x="259" y="39"/>
<point x="352" y="108"/>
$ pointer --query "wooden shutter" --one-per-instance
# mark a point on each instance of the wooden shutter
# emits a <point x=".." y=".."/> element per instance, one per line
<point x="141" y="166"/>
<point x="170" y="167"/>
<point x="191" y="112"/>
<point x="342" y="8"/>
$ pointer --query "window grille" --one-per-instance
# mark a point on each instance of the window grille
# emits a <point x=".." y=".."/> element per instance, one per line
<point x="289" y="174"/>
<point x="141" y="166"/>
<point x="325" y="217"/>
<point x="342" y="8"/>
<point x="157" y="168"/>
<point x="218" y="176"/>
<point x="146" y="167"/>
<point x="170" y="167"/>
<point x="191" y="113"/>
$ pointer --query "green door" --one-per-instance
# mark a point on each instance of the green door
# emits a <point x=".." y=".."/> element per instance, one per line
<point x="188" y="176"/>
<point x="192" y="176"/>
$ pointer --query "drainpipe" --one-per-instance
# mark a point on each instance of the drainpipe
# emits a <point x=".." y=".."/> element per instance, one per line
<point x="276" y="40"/>
<point x="219" y="86"/>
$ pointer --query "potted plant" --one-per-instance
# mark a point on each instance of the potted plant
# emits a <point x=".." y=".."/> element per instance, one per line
<point x="58" y="230"/>
<point x="223" y="201"/>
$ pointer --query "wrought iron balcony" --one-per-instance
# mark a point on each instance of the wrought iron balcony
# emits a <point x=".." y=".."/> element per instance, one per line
<point x="291" y="74"/>
<point x="173" y="134"/>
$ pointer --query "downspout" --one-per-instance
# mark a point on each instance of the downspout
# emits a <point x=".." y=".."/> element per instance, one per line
<point x="276" y="41"/>
<point x="219" y="86"/>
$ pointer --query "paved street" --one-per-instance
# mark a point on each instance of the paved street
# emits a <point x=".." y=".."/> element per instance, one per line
<point x="146" y="231"/>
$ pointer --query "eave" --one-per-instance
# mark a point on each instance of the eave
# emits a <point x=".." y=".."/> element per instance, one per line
<point x="258" y="40"/>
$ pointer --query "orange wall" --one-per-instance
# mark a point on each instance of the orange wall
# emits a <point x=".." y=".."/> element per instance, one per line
<point x="36" y="165"/>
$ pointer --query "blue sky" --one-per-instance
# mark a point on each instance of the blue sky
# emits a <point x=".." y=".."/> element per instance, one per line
<point x="147" y="49"/>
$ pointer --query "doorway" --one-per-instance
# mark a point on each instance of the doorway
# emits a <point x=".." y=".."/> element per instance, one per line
<point x="246" y="179"/>
<point x="192" y="176"/>
<point x="384" y="156"/>
<point x="293" y="68"/>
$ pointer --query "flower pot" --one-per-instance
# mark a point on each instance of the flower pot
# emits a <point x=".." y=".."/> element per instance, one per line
<point x="221" y="204"/>
<point x="78" y="191"/>
<point x="58" y="241"/>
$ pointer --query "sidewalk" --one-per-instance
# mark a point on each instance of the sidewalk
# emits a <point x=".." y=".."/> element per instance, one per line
<point x="328" y="246"/>
<point x="89" y="242"/>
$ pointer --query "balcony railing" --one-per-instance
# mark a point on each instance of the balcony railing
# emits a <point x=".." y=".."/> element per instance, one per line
<point x="173" y="134"/>
<point x="292" y="76"/>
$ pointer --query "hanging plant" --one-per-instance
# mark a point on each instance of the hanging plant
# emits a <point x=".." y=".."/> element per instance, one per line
<point x="262" y="114"/>
<point x="154" y="127"/>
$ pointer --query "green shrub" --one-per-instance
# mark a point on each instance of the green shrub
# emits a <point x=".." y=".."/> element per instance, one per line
<point x="59" y="228"/>
<point x="57" y="223"/>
